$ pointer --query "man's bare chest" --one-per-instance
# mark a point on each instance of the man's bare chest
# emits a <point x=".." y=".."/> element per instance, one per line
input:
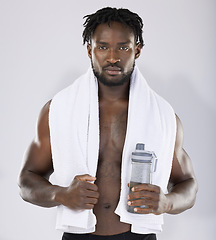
<point x="113" y="126"/>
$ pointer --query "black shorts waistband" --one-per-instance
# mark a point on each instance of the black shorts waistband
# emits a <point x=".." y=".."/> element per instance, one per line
<point x="122" y="236"/>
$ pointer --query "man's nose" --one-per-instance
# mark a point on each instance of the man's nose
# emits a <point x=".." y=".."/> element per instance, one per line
<point x="113" y="56"/>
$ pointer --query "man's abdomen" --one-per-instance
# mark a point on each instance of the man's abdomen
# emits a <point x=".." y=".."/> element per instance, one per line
<point x="109" y="184"/>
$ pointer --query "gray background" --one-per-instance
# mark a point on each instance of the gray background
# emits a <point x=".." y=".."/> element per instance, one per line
<point x="41" y="52"/>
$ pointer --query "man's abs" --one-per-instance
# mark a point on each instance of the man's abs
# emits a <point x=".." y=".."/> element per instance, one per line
<point x="112" y="135"/>
<point x="108" y="182"/>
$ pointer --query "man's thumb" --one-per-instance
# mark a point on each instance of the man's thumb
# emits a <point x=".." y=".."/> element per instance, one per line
<point x="85" y="177"/>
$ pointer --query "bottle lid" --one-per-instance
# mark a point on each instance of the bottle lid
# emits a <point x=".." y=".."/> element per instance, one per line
<point x="140" y="146"/>
<point x="140" y="155"/>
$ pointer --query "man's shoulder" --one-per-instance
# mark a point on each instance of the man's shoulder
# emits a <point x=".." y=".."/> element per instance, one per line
<point x="45" y="109"/>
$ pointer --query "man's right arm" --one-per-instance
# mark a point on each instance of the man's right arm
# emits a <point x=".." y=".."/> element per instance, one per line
<point x="37" y="167"/>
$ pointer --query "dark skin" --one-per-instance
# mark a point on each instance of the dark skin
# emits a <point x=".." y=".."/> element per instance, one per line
<point x="112" y="51"/>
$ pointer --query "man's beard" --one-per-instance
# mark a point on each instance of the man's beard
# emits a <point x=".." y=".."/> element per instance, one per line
<point x="125" y="78"/>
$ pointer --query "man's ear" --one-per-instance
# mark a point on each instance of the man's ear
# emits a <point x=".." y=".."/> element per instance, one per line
<point x="138" y="50"/>
<point x="89" y="50"/>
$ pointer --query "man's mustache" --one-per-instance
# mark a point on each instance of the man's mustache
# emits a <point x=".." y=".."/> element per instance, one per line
<point x="114" y="65"/>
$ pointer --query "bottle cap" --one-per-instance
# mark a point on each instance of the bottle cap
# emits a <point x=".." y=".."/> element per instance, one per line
<point x="140" y="146"/>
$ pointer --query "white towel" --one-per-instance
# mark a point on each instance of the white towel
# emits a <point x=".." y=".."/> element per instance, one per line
<point x="74" y="133"/>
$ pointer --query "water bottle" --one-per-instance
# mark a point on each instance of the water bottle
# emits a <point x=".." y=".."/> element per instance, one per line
<point x="143" y="165"/>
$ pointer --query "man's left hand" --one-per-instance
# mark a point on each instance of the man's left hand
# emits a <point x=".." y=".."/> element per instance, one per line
<point x="151" y="196"/>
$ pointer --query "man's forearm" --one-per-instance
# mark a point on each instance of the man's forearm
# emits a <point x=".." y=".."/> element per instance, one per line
<point x="182" y="196"/>
<point x="38" y="190"/>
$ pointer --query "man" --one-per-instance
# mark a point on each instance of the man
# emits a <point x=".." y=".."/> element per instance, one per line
<point x="114" y="42"/>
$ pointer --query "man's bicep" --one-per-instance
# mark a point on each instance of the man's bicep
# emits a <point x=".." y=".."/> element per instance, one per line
<point x="182" y="168"/>
<point x="38" y="157"/>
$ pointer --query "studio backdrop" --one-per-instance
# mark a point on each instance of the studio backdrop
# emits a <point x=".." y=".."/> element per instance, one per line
<point x="41" y="52"/>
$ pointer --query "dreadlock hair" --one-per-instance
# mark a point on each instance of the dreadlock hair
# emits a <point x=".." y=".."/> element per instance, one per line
<point x="107" y="15"/>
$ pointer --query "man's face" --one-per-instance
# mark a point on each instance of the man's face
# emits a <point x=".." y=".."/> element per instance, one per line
<point x="113" y="52"/>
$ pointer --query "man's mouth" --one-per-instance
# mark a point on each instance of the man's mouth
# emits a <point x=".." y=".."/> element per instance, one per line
<point x="113" y="70"/>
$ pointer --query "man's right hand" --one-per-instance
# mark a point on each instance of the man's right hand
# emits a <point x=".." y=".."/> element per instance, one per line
<point x="81" y="194"/>
<point x="38" y="166"/>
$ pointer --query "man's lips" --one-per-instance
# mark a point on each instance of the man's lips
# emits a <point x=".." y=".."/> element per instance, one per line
<point x="113" y="70"/>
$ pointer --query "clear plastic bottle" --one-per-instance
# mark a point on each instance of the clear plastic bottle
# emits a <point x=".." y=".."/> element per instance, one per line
<point x="143" y="165"/>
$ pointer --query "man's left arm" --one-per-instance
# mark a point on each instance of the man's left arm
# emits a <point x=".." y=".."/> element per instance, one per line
<point x="182" y="186"/>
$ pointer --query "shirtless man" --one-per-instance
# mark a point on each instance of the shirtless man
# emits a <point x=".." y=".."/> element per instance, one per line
<point x="112" y="49"/>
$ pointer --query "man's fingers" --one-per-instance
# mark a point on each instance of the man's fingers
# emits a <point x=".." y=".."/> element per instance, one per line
<point x="89" y="206"/>
<point x="143" y="193"/>
<point x="147" y="187"/>
<point x="84" y="182"/>
<point x="85" y="177"/>
<point x="144" y="210"/>
<point x="92" y="194"/>
<point x="89" y="186"/>
<point x="140" y="202"/>
<point x="91" y="201"/>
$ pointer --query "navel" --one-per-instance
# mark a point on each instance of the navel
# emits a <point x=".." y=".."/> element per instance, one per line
<point x="107" y="205"/>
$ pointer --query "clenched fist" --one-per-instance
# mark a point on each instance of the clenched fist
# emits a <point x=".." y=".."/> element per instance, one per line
<point x="151" y="196"/>
<point x="81" y="194"/>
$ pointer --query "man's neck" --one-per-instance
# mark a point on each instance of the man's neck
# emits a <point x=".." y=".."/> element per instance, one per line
<point x="112" y="94"/>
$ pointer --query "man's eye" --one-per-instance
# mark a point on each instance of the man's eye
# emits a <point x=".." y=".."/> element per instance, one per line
<point x="102" y="47"/>
<point x="124" y="48"/>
